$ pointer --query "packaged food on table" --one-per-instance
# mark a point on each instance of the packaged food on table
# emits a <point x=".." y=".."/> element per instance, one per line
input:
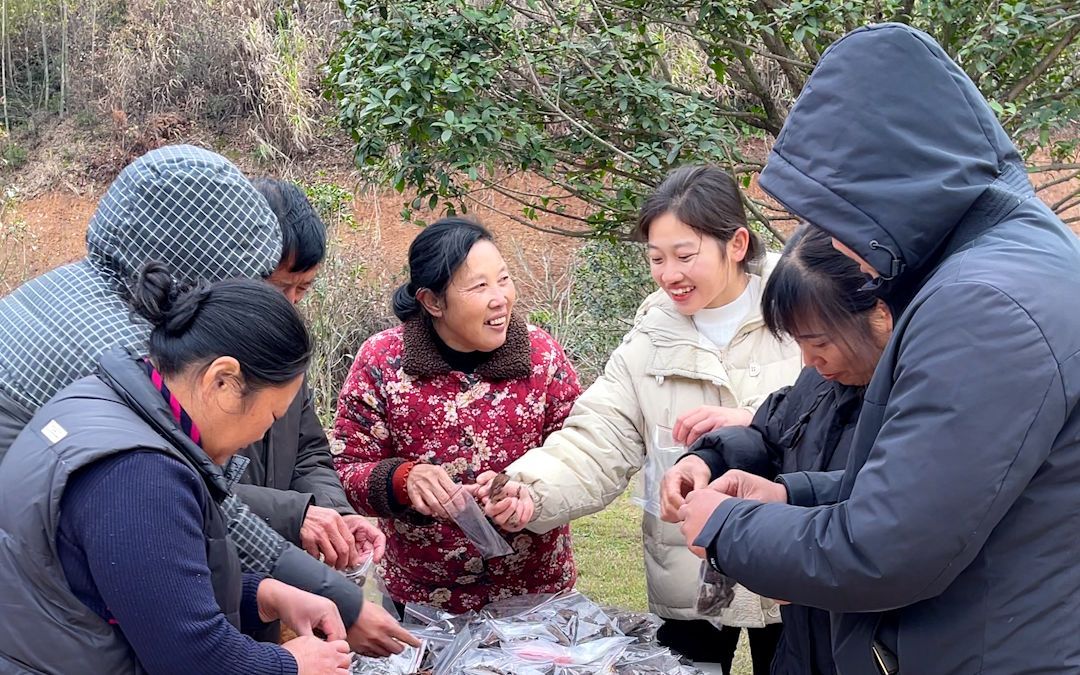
<point x="560" y="634"/>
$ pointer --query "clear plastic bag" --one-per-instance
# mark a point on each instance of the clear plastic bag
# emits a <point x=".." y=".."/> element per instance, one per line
<point x="652" y="660"/>
<point x="450" y="659"/>
<point x="409" y="661"/>
<point x="715" y="591"/>
<point x="366" y="576"/>
<point x="641" y="626"/>
<point x="497" y="662"/>
<point x="519" y="631"/>
<point x="600" y="655"/>
<point x="663" y="454"/>
<point x="467" y="515"/>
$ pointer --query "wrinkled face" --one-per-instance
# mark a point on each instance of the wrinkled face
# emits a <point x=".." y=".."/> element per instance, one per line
<point x="475" y="310"/>
<point x="229" y="421"/>
<point x="294" y="285"/>
<point x="695" y="270"/>
<point x="838" y="359"/>
<point x="866" y="267"/>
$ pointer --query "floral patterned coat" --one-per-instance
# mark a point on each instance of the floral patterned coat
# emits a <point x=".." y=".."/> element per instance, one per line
<point x="401" y="402"/>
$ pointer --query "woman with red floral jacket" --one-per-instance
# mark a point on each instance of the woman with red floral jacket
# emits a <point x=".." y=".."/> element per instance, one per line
<point x="463" y="386"/>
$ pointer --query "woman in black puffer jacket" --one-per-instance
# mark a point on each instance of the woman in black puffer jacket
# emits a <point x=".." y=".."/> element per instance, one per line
<point x="815" y="295"/>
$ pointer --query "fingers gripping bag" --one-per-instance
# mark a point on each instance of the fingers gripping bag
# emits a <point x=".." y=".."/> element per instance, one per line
<point x="366" y="576"/>
<point x="467" y="515"/>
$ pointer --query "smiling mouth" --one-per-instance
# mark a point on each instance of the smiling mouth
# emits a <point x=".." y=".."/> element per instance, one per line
<point x="681" y="292"/>
<point x="497" y="322"/>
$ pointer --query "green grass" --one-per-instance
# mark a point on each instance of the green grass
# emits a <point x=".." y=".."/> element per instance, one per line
<point x="611" y="565"/>
<point x="607" y="547"/>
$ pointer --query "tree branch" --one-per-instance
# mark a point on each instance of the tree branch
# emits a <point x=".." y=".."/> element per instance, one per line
<point x="772" y="112"/>
<point x="1052" y="167"/>
<point x="1046" y="62"/>
<point x="1067" y="202"/>
<point x="554" y="107"/>
<point x="580" y="234"/>
<point x="510" y="194"/>
<point x="1058" y="181"/>
<point x="762" y="218"/>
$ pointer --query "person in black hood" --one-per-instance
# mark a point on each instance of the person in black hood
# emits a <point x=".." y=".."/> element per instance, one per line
<point x="816" y="296"/>
<point x="947" y="544"/>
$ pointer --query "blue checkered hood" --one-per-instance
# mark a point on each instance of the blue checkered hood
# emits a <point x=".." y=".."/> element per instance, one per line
<point x="189" y="208"/>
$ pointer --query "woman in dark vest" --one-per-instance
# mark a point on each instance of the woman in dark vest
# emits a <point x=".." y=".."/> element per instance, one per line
<point x="114" y="552"/>
<point x="816" y="295"/>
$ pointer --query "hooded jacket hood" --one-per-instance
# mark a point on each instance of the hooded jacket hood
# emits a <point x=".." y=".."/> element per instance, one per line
<point x="189" y="208"/>
<point x="888" y="148"/>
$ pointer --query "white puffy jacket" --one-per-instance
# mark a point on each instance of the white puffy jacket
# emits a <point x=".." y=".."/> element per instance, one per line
<point x="658" y="372"/>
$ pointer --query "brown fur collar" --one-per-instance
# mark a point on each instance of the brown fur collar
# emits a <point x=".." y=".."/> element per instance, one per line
<point x="420" y="356"/>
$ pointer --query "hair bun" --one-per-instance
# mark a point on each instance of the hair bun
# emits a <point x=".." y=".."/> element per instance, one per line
<point x="185" y="307"/>
<point x="405" y="303"/>
<point x="165" y="302"/>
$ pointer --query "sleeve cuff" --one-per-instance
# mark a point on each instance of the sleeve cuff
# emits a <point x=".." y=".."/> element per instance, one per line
<point x="381" y="488"/>
<point x="706" y="539"/>
<point x="712" y="458"/>
<point x="800" y="489"/>
<point x="249" y="603"/>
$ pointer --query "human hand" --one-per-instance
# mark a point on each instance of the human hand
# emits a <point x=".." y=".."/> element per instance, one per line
<point x="315" y="657"/>
<point x="370" y="540"/>
<point x="429" y="487"/>
<point x="376" y="633"/>
<point x="325" y="532"/>
<point x="301" y="611"/>
<point x="689" y="473"/>
<point x="508" y="503"/>
<point x="692" y="424"/>
<point x="745" y="485"/>
<point x="695" y="513"/>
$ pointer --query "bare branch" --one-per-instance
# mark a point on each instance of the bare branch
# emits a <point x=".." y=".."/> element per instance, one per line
<point x="1062" y="20"/>
<point x="1058" y="181"/>
<point x="1052" y="167"/>
<point x="762" y="218"/>
<point x="510" y="195"/>
<point x="580" y="234"/>
<point x="1067" y="202"/>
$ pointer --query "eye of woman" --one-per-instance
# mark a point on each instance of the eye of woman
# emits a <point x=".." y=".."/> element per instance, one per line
<point x="687" y="257"/>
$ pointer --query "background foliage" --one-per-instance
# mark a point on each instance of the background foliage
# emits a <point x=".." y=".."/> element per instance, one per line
<point x="603" y="97"/>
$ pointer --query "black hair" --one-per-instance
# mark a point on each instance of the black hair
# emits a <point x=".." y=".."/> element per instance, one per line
<point x="303" y="233"/>
<point x="434" y="256"/>
<point x="707" y="200"/>
<point x="815" y="288"/>
<point x="247" y="319"/>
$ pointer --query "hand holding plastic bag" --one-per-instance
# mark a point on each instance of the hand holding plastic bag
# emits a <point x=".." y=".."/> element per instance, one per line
<point x="462" y="508"/>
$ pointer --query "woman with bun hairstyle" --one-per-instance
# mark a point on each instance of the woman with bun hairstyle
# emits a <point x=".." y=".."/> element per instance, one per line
<point x="113" y="544"/>
<point x="461" y="387"/>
